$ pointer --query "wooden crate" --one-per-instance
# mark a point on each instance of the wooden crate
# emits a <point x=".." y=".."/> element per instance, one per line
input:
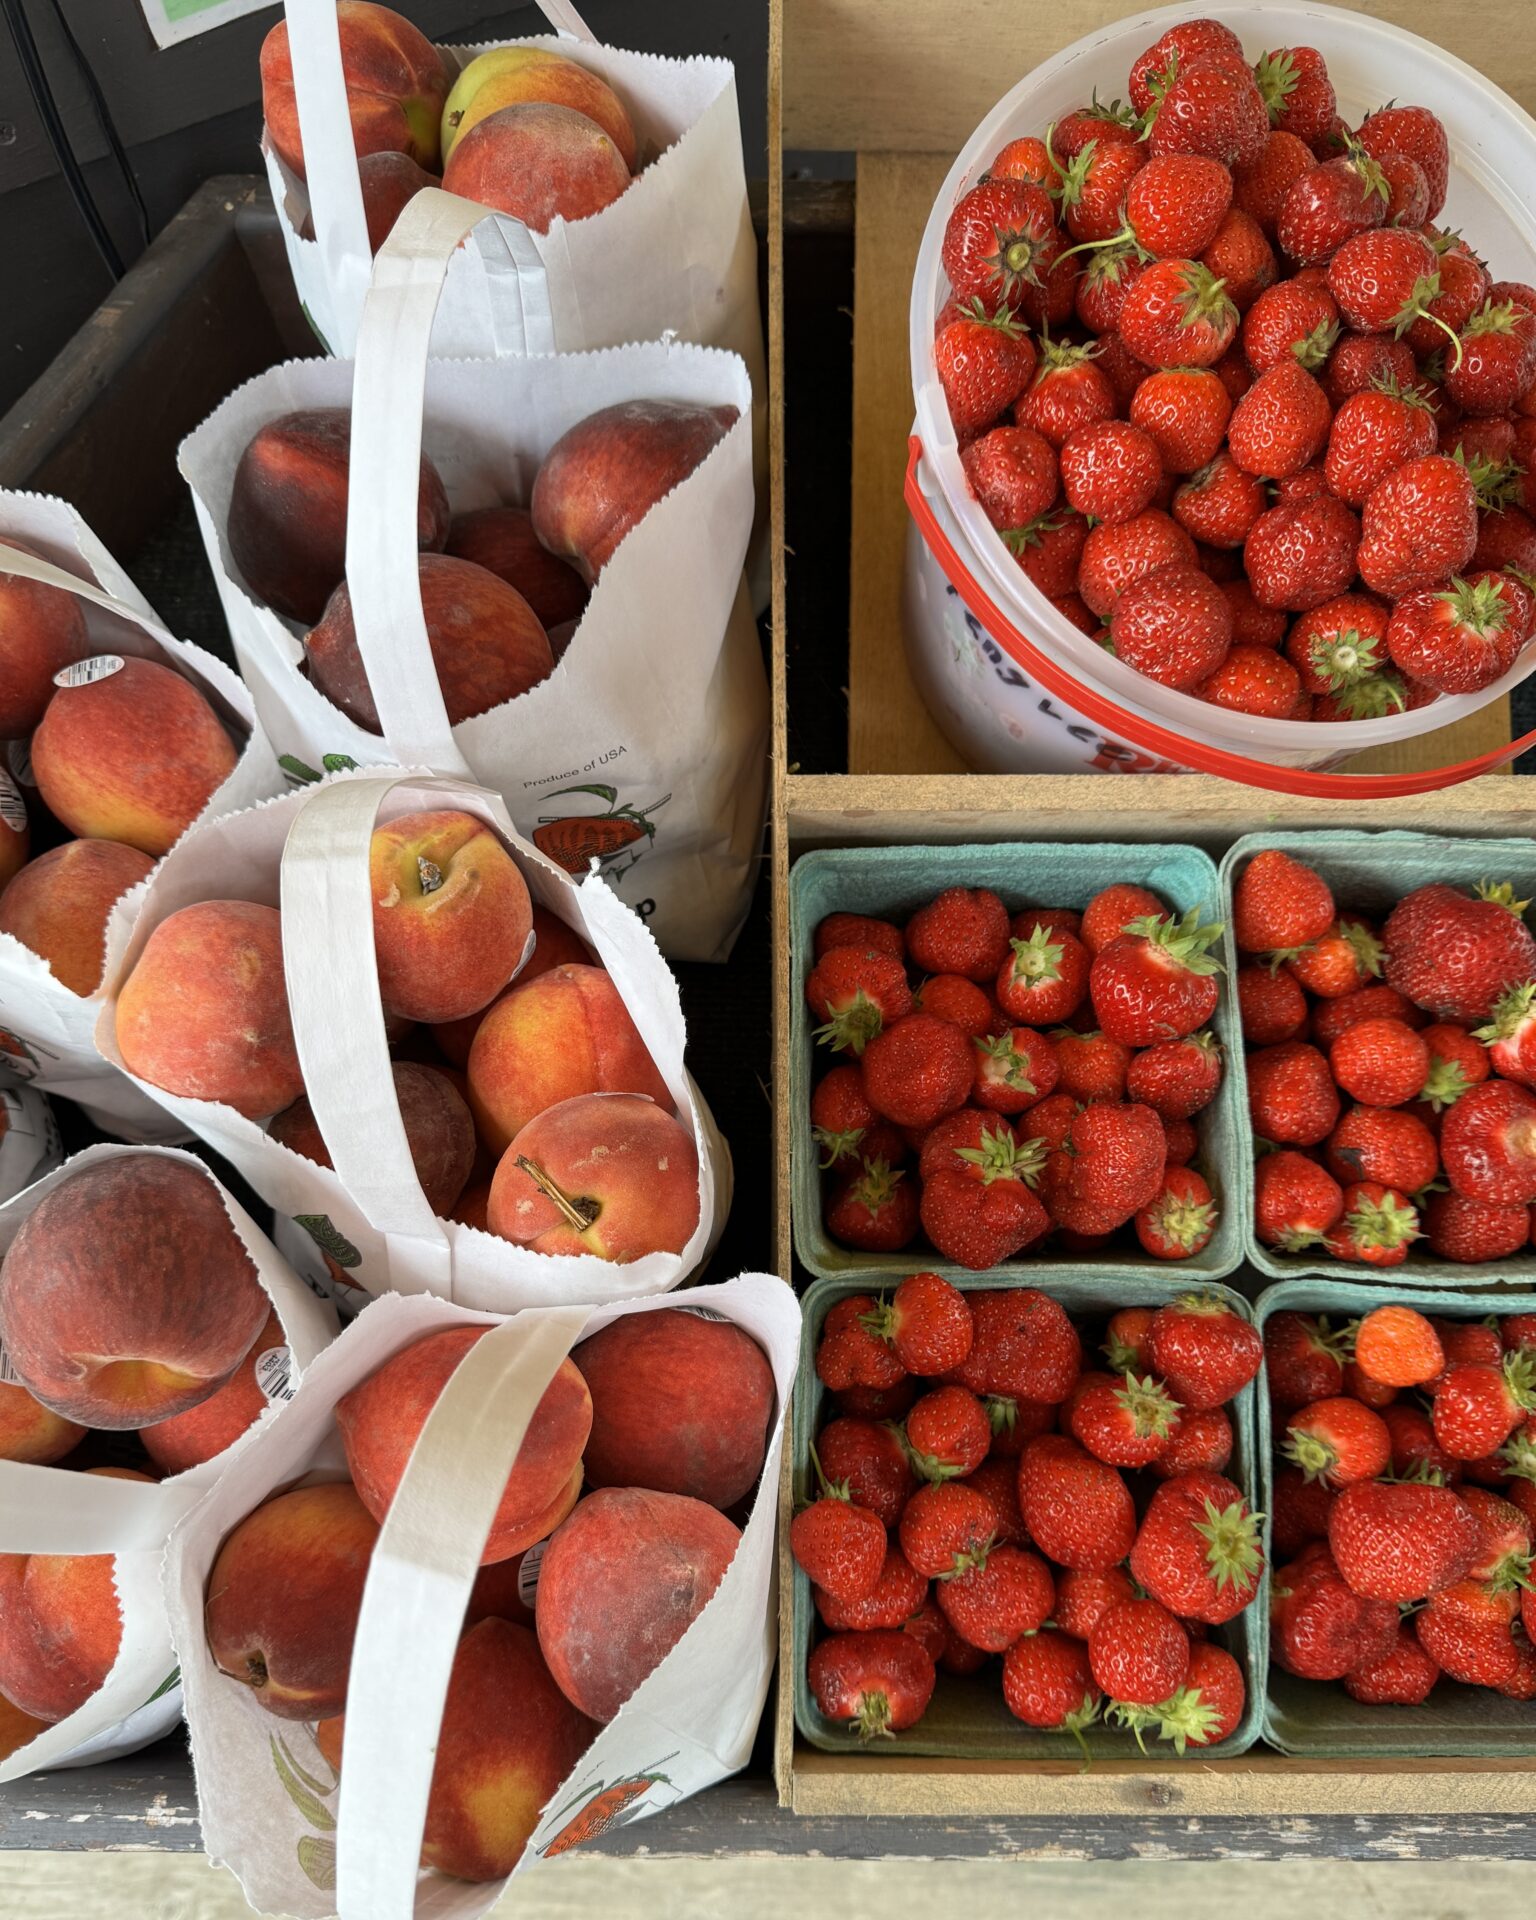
<point x="926" y="75"/>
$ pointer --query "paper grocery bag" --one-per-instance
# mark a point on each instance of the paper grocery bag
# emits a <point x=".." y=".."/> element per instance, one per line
<point x="45" y="1028"/>
<point x="272" y="1810"/>
<point x="371" y="1228"/>
<point x="59" y="1510"/>
<point x="646" y="748"/>
<point x="29" y="1137"/>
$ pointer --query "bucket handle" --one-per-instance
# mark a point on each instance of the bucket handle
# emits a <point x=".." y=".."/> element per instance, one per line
<point x="1161" y="740"/>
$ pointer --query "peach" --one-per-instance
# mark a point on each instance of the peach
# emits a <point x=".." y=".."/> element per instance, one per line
<point x="31" y="1432"/>
<point x="17" y="1729"/>
<point x="539" y="163"/>
<point x="205" y="1431"/>
<point x="507" y="76"/>
<point x="502" y="540"/>
<point x="59" y="905"/>
<point x="283" y="1598"/>
<point x="604" y="475"/>
<point x="555" y="945"/>
<point x="610" y="1174"/>
<point x="134" y="757"/>
<point x="498" y="1595"/>
<point x="563" y="1033"/>
<point x="487" y="645"/>
<point x="397" y="85"/>
<point x="15" y="832"/>
<point x="390" y="181"/>
<point x="508" y="1739"/>
<point x="471" y="1207"/>
<point x="60" y="1625"/>
<point x="619" y="1586"/>
<point x="204" y="1013"/>
<point x="451" y="914"/>
<point x="42" y="630"/>
<point x="381" y="1418"/>
<point x="127" y="1296"/>
<point x="438" y="1130"/>
<point x="287" y="526"/>
<point x="680" y="1404"/>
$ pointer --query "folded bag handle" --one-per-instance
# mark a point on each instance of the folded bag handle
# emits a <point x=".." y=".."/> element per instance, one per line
<point x="424" y="1564"/>
<point x="1147" y="733"/>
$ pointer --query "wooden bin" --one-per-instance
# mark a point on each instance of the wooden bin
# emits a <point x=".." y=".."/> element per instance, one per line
<point x="901" y="83"/>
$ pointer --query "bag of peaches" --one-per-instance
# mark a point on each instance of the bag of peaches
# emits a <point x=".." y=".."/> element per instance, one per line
<point x="536" y="583"/>
<point x="482" y="1589"/>
<point x="118" y="733"/>
<point x="447" y="1065"/>
<point x="120" y="1405"/>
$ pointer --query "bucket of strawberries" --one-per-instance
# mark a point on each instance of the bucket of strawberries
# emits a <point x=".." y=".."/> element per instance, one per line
<point x="1225" y="379"/>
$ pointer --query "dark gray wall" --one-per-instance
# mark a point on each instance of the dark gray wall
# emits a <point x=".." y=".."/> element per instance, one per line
<point x="194" y="110"/>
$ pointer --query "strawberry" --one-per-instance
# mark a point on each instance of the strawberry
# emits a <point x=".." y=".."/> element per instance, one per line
<point x="1497" y="361"/>
<point x="1208" y="1707"/>
<point x="1209" y="106"/>
<point x="948" y="1434"/>
<point x="1049" y="551"/>
<point x="927" y="1323"/>
<point x="984" y="362"/>
<point x="1467" y="1630"/>
<point x="1340" y="966"/>
<point x="1177" y="314"/>
<point x="878" y="1683"/>
<point x="1241" y="258"/>
<point x="1384" y="280"/>
<point x="1125" y="1340"/>
<point x="1028" y="159"/>
<point x="892" y="1601"/>
<point x="1197" y="1551"/>
<point x="1291" y="321"/>
<point x="1112" y="909"/>
<point x="873" y="1208"/>
<point x="1380" y="1062"/>
<point x="980" y="1223"/>
<point x="1468" y="1343"/>
<point x="1109" y="122"/>
<point x="1013" y="474"/>
<point x="1361" y="361"/>
<point x="1455" y="953"/>
<point x="969" y="1140"/>
<point x="961" y="1002"/>
<point x="1115" y="558"/>
<point x="1302" y="1360"/>
<point x="1503" y="1540"/>
<point x="1110" y="470"/>
<point x="1138" y="1652"/>
<point x="944" y="1526"/>
<point x="1506" y="539"/>
<point x="849" y="1355"/>
<point x="1091" y="189"/>
<point x="1158" y="980"/>
<point x="1028" y="1347"/>
<point x="1004" y="1592"/>
<point x="1418" y="526"/>
<point x="1296" y="1202"/>
<point x="840" y="1546"/>
<point x="1416" y="133"/>
<point x="1473" y="1230"/>
<point x="1102" y="289"/>
<point x="964" y="931"/>
<point x="1090" y="1065"/>
<point x="1299" y="1510"/>
<point x="1000" y="242"/>
<point x="1053" y="919"/>
<point x="1173" y="625"/>
<point x="1121" y="1419"/>
<point x="1510" y="1037"/>
<point x="877" y="1403"/>
<point x="1302" y="553"/>
<point x="1479" y="439"/>
<point x="1185" y="411"/>
<point x="1297" y="93"/>
<point x="1377" y="1228"/>
<point x="858" y="930"/>
<point x="1205" y="1352"/>
<point x="1340" y="642"/>
<point x="1232" y="371"/>
<point x="854" y="992"/>
<point x="1043" y="978"/>
<point x="1338" y="1441"/>
<point x="1078" y="1509"/>
<point x="1279" y="903"/>
<point x="1183" y="43"/>
<point x="1320" y="1629"/>
<point x="1401" y="1543"/>
<point x="1083" y="1597"/>
<point x="1260" y="186"/>
<point x="917" y="1069"/>
<point x="1176" y="1078"/>
<point x="1328" y="205"/>
<point x="1373" y="434"/>
<point x="1488" y="1144"/>
<point x="1199" y="1442"/>
<point x="1067" y="392"/>
<point x="1174" y="206"/>
<point x="1014" y="1070"/>
<point x="1047" y="1683"/>
<point x="871" y="1462"/>
<point x="1405" y="1677"/>
<point x="1463" y="637"/>
<point x="1464" y="286"/>
<point x="1398" y="1347"/>
<point x="1477" y="1406"/>
<point x="1219" y="506"/>
<point x="1272" y="1006"/>
<point x="1291" y="1096"/>
<point x="1111" y="1167"/>
<point x="1415" y="1451"/>
<point x="1281" y="423"/>
<point x="1343" y="1010"/>
<point x="842" y="1119"/>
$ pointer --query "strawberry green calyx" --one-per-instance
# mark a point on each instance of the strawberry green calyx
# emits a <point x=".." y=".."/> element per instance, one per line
<point x="1019" y="540"/>
<point x="1520" y="1378"/>
<point x="1232" y="1552"/>
<point x="1205" y="298"/>
<point x="1511" y="1011"/>
<point x="836" y="1146"/>
<point x="1012" y="1066"/>
<point x="880" y="1320"/>
<point x="1005" y="321"/>
<point x="1002" y="1412"/>
<point x="1185" y="1224"/>
<point x="1372" y="179"/>
<point x="970" y="1559"/>
<point x="1151" y="1407"/>
<point x="1000" y="1157"/>
<point x="1420" y="1474"/>
<point x="1184" y="940"/>
<point x="1444" y="1084"/>
<point x="1185" y="1719"/>
<point x="1343" y="658"/>
<point x="1206" y="1303"/>
<point x="1495" y="482"/>
<point x="1519" y="1456"/>
<point x="1037" y="958"/>
<point x="873" y="1721"/>
<point x="1384" y="1223"/>
<point x="1389" y="384"/>
<point x="1502" y="894"/>
<point x="1372" y="697"/>
<point x="1077" y="1723"/>
<point x="852" y="1027"/>
<point x="876" y="1184"/>
<point x="1316" y="1456"/>
<point x="830" y="1489"/>
<point x="1135" y="1720"/>
<point x="1313" y="348"/>
<point x="1017" y="261"/>
<point x="1477" y="604"/>
<point x="1417" y="307"/>
<point x="1276" y="78"/>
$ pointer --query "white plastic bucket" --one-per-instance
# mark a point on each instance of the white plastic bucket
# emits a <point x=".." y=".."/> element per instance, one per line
<point x="1015" y="686"/>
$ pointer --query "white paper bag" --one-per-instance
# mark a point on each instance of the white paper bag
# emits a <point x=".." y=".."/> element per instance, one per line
<point x="372" y="1228"/>
<point x="656" y="712"/>
<point x="29" y="1137"/>
<point x="304" y="1846"/>
<point x="60" y="1510"/>
<point x="45" y="1028"/>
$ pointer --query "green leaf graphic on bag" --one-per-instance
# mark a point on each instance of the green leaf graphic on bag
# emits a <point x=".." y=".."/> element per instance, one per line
<point x="172" y="1679"/>
<point x="306" y="1792"/>
<point x="317" y="1858"/>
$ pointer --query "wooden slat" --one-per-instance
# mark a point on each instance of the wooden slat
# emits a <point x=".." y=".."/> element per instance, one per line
<point x="876" y="75"/>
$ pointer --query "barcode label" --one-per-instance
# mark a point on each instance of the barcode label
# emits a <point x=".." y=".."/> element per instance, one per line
<point x="274" y="1373"/>
<point x="13" y="809"/>
<point x="18" y="757"/>
<point x="9" y="1377"/>
<point x="83" y="673"/>
<point x="528" y="1573"/>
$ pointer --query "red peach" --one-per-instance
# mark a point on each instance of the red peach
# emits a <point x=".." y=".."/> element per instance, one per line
<point x="539" y="163"/>
<point x="470" y="1209"/>
<point x="283" y="1598"/>
<point x="135" y="757"/>
<point x="204" y="1013"/>
<point x="607" y="1173"/>
<point x="502" y="540"/>
<point x="604" y="475"/>
<point x="381" y="1418"/>
<point x="287" y="525"/>
<point x="17" y="1729"/>
<point x="59" y="904"/>
<point x="205" y="1431"/>
<point x="563" y="1033"/>
<point x="498" y="1594"/>
<point x="42" y="629"/>
<point x="679" y="1404"/>
<point x="31" y="1432"/>
<point x="397" y="86"/>
<point x="620" y="1584"/>
<point x="390" y="181"/>
<point x="507" y="76"/>
<point x="439" y="1131"/>
<point x="555" y="945"/>
<point x="487" y="646"/>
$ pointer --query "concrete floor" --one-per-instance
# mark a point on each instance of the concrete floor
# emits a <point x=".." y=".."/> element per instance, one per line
<point x="126" y="1886"/>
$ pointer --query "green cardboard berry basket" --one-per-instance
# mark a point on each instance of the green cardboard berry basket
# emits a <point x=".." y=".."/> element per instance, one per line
<point x="893" y="882"/>
<point x="1369" y="873"/>
<point x="1317" y="1719"/>
<point x="967" y="1718"/>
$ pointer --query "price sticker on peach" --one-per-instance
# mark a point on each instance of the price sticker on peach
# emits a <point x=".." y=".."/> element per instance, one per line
<point x="85" y="673"/>
<point x="274" y="1374"/>
<point x="13" y="809"/>
<point x="9" y="1377"/>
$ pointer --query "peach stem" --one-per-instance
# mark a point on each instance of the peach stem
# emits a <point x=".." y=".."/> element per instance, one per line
<point x="578" y="1213"/>
<point x="430" y="874"/>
